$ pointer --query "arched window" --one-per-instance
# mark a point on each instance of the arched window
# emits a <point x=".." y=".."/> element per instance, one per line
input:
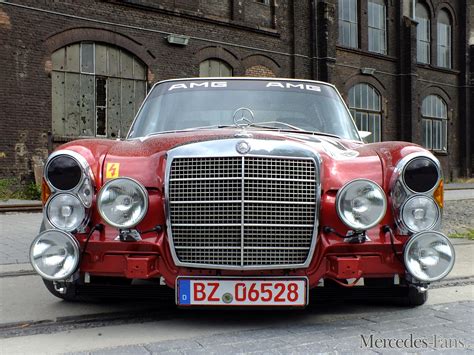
<point x="434" y="114"/>
<point x="96" y="90"/>
<point x="365" y="106"/>
<point x="444" y="40"/>
<point x="377" y="26"/>
<point x="214" y="68"/>
<point x="422" y="34"/>
<point x="348" y="23"/>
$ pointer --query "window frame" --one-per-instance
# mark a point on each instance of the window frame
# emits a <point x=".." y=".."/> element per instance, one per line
<point x="427" y="40"/>
<point x="353" y="24"/>
<point x="448" y="47"/>
<point x="374" y="112"/>
<point x="93" y="72"/>
<point x="382" y="31"/>
<point x="222" y="63"/>
<point x="431" y="119"/>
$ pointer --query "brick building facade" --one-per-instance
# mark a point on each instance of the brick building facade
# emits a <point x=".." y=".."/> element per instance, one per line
<point x="81" y="68"/>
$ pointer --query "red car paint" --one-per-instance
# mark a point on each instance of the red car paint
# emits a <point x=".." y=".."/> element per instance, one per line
<point x="145" y="161"/>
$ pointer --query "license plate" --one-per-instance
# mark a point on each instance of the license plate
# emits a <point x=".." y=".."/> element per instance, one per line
<point x="238" y="292"/>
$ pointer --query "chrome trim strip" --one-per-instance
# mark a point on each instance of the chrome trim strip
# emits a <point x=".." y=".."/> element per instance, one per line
<point x="242" y="211"/>
<point x="239" y="201"/>
<point x="239" y="178"/>
<point x="259" y="148"/>
<point x="244" y="248"/>
<point x="238" y="224"/>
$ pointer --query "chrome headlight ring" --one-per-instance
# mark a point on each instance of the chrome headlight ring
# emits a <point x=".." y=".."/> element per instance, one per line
<point x="361" y="204"/>
<point x="77" y="164"/>
<point x="417" y="174"/>
<point x="55" y="254"/>
<point x="429" y="256"/>
<point x="417" y="208"/>
<point x="122" y="202"/>
<point x="67" y="173"/>
<point x="65" y="211"/>
<point x="424" y="179"/>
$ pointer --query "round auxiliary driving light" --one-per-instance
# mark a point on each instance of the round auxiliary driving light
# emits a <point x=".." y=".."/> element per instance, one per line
<point x="54" y="254"/>
<point x="421" y="174"/>
<point x="361" y="204"/>
<point x="429" y="256"/>
<point x="419" y="213"/>
<point x="65" y="211"/>
<point x="122" y="202"/>
<point x="63" y="172"/>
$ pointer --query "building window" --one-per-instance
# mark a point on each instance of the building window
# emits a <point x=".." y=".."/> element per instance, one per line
<point x="348" y="23"/>
<point x="377" y="26"/>
<point x="444" y="40"/>
<point x="365" y="106"/>
<point x="214" y="68"/>
<point x="96" y="90"/>
<point x="422" y="34"/>
<point x="434" y="114"/>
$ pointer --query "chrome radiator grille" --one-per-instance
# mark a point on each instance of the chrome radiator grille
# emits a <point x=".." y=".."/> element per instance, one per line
<point x="236" y="212"/>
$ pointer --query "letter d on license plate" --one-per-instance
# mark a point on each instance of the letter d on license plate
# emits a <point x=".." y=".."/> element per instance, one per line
<point x="242" y="292"/>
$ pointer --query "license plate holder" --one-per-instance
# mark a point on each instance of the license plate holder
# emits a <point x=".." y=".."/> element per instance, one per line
<point x="242" y="292"/>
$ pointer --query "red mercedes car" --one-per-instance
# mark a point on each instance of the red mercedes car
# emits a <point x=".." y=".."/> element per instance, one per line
<point x="242" y="192"/>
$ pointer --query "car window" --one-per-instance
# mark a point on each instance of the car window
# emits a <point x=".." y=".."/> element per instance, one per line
<point x="309" y="107"/>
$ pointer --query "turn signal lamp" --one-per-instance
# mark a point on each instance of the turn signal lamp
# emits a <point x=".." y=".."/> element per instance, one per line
<point x="439" y="194"/>
<point x="45" y="191"/>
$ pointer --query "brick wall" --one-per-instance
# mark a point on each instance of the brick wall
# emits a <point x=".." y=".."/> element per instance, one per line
<point x="259" y="71"/>
<point x="288" y="38"/>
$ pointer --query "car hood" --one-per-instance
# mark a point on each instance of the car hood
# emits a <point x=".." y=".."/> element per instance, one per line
<point x="144" y="159"/>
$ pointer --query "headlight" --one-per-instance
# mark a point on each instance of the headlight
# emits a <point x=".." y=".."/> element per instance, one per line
<point x="63" y="172"/>
<point x="54" y="254"/>
<point x="65" y="211"/>
<point x="122" y="202"/>
<point x="429" y="256"/>
<point x="361" y="204"/>
<point x="421" y="174"/>
<point x="419" y="212"/>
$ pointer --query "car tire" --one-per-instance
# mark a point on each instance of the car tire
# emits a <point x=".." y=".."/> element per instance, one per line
<point x="416" y="297"/>
<point x="70" y="294"/>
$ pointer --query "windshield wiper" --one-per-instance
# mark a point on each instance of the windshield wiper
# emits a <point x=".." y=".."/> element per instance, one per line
<point x="264" y="125"/>
<point x="256" y="125"/>
<point x="293" y="128"/>
<point x="187" y="129"/>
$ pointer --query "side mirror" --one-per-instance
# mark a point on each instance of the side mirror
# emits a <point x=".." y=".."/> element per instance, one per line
<point x="364" y="134"/>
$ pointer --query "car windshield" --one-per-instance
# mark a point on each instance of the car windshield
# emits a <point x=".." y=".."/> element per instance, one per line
<point x="286" y="105"/>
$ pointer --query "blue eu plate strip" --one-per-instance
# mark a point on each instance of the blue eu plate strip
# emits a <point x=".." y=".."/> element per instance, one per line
<point x="184" y="291"/>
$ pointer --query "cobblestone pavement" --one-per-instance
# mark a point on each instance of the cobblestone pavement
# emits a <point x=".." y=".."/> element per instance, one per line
<point x="445" y="328"/>
<point x="458" y="216"/>
<point x="17" y="230"/>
